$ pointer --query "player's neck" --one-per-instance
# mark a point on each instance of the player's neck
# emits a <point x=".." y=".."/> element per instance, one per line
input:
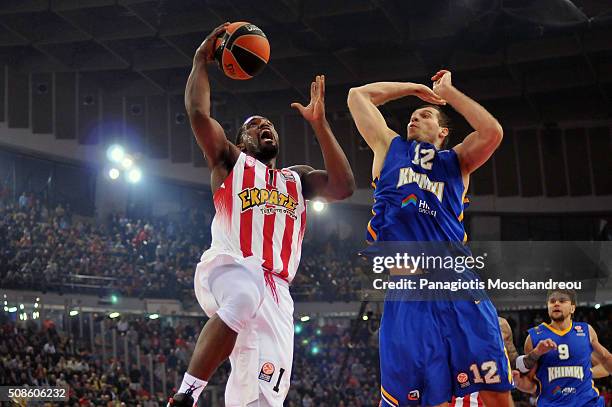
<point x="561" y="325"/>
<point x="271" y="163"/>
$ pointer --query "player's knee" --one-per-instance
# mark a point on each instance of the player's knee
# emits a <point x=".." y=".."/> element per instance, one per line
<point x="238" y="299"/>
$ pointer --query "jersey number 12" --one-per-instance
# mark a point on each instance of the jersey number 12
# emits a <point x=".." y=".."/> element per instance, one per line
<point x="424" y="157"/>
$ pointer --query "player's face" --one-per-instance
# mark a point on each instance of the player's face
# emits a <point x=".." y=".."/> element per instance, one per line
<point x="560" y="307"/>
<point x="260" y="138"/>
<point x="424" y="126"/>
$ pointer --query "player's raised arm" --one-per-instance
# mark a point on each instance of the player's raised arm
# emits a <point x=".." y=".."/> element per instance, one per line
<point x="600" y="353"/>
<point x="336" y="181"/>
<point x="208" y="132"/>
<point x="363" y="101"/>
<point x="479" y="145"/>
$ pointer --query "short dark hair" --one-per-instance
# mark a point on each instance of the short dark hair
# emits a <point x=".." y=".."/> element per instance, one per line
<point x="443" y="120"/>
<point x="238" y="137"/>
<point x="570" y="293"/>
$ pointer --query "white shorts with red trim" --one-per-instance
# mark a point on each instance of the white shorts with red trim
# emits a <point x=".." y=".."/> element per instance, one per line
<point x="262" y="358"/>
<point x="469" y="400"/>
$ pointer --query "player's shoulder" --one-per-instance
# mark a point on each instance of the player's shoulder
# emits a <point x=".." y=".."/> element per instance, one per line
<point x="300" y="169"/>
<point x="538" y="330"/>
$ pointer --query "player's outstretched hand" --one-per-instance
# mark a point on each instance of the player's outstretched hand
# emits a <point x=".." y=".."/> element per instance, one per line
<point x="207" y="49"/>
<point x="426" y="94"/>
<point x="442" y="82"/>
<point x="315" y="111"/>
<point x="544" y="346"/>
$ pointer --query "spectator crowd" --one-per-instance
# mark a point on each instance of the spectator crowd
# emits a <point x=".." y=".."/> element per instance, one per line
<point x="49" y="249"/>
<point x="335" y="359"/>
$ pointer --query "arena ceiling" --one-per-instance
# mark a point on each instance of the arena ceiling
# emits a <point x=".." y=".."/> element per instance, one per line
<point x="529" y="62"/>
<point x="499" y="50"/>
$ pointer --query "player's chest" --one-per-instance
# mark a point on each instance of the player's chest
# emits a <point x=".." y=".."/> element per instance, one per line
<point x="574" y="347"/>
<point x="270" y="190"/>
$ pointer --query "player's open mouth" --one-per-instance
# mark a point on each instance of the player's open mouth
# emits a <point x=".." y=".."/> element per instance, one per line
<point x="266" y="134"/>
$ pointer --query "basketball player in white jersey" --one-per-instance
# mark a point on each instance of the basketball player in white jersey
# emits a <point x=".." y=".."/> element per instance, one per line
<point x="242" y="281"/>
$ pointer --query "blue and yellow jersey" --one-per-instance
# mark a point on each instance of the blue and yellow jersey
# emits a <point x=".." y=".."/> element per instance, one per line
<point x="564" y="375"/>
<point x="419" y="195"/>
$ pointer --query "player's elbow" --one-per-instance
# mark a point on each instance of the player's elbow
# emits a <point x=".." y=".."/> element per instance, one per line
<point x="357" y="95"/>
<point x="494" y="134"/>
<point x="353" y="95"/>
<point x="196" y="111"/>
<point x="343" y="190"/>
<point x="349" y="188"/>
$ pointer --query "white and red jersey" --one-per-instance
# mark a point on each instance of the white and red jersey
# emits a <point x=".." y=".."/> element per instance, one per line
<point x="260" y="212"/>
<point x="469" y="400"/>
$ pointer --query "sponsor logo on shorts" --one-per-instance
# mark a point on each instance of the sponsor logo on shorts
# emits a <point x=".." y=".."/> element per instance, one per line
<point x="266" y="372"/>
<point x="414" y="395"/>
<point x="463" y="380"/>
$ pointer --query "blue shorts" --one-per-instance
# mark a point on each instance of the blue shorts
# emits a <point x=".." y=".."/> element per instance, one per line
<point x="432" y="350"/>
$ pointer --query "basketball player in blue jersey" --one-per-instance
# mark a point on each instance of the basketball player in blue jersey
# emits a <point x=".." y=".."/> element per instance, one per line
<point x="431" y="350"/>
<point x="559" y="367"/>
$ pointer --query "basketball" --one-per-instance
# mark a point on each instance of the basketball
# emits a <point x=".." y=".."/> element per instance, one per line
<point x="243" y="51"/>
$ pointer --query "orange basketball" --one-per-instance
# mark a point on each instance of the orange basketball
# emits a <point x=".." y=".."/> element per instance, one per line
<point x="243" y="51"/>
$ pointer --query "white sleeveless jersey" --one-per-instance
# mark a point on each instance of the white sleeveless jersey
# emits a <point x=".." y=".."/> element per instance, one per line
<point x="260" y="212"/>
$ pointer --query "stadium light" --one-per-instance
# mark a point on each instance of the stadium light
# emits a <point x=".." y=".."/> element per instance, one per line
<point x="134" y="175"/>
<point x="74" y="313"/>
<point x="113" y="173"/>
<point x="298" y="329"/>
<point x="305" y="318"/>
<point x="6" y="309"/>
<point x="597" y="306"/>
<point x="113" y="315"/>
<point x="127" y="162"/>
<point x="35" y="315"/>
<point x="114" y="299"/>
<point x="153" y="316"/>
<point x="315" y="350"/>
<point x="35" y="305"/>
<point x="365" y="317"/>
<point x="21" y="306"/>
<point x="115" y="153"/>
<point x="318" y="206"/>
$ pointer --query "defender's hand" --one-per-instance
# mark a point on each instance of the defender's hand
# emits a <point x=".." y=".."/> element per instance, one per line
<point x="315" y="111"/>
<point x="427" y="95"/>
<point x="442" y="82"/>
<point x="206" y="50"/>
<point x="545" y="346"/>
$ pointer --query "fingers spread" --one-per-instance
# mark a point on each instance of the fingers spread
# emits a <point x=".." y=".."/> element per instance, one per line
<point x="298" y="106"/>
